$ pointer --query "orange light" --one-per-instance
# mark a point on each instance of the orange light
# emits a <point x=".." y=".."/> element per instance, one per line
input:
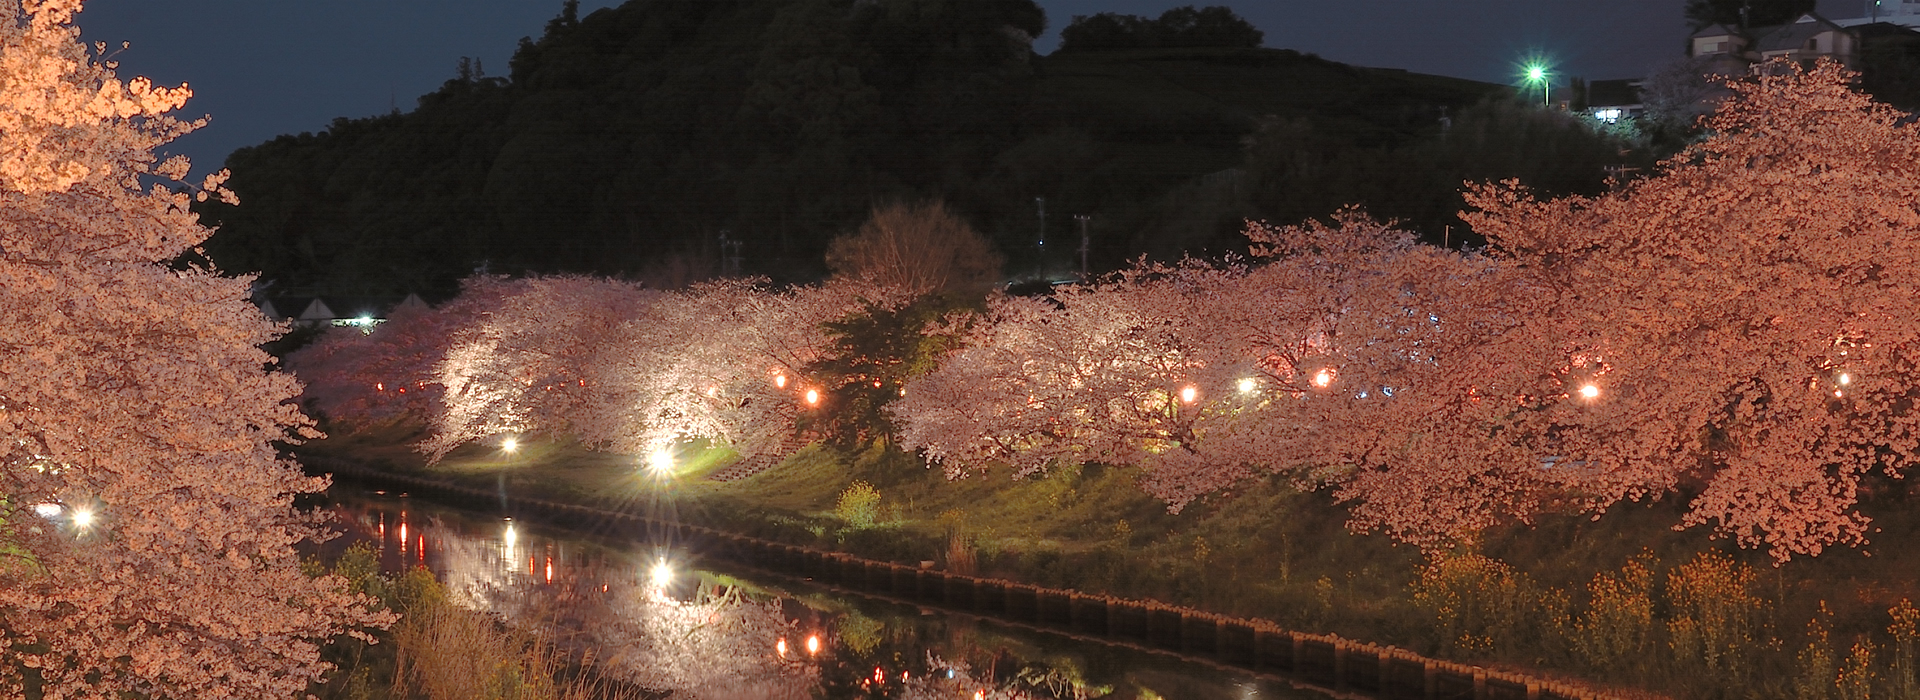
<point x="1589" y="391"/>
<point x="780" y="381"/>
<point x="379" y="386"/>
<point x="813" y="397"/>
<point x="1189" y="393"/>
<point x="813" y="644"/>
<point x="780" y="647"/>
<point x="1323" y="378"/>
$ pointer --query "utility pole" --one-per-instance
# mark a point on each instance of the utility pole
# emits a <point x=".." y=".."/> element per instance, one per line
<point x="1083" y="218"/>
<point x="729" y="254"/>
<point x="1041" y="259"/>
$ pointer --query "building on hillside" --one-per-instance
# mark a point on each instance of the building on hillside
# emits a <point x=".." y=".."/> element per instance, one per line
<point x="363" y="312"/>
<point x="1612" y="100"/>
<point x="1897" y="12"/>
<point x="1730" y="49"/>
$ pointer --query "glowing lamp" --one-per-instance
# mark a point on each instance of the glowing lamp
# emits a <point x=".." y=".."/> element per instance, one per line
<point x="1323" y="378"/>
<point x="661" y="462"/>
<point x="1246" y="385"/>
<point x="1188" y="394"/>
<point x="813" y="644"/>
<point x="510" y="445"/>
<point x="813" y="397"/>
<point x="661" y="574"/>
<point x="1845" y="379"/>
<point x="780" y="381"/>
<point x="780" y="647"/>
<point x="1589" y="391"/>
<point x="82" y="518"/>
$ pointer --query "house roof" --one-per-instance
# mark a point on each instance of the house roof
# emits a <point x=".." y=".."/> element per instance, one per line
<point x="1712" y="30"/>
<point x="1793" y="37"/>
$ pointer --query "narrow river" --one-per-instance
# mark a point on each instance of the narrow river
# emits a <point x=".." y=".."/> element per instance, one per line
<point x="654" y="615"/>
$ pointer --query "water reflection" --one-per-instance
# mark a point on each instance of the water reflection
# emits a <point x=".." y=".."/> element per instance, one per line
<point x="662" y="619"/>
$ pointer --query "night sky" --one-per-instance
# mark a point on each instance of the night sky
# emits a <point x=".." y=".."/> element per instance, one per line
<point x="268" y="68"/>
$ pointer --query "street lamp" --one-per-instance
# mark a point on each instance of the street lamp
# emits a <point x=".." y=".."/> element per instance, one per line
<point x="1537" y="75"/>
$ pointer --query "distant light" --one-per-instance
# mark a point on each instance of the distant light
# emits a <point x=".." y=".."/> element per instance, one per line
<point x="82" y="518"/>
<point x="1188" y="394"/>
<point x="1838" y="394"/>
<point x="1845" y="379"/>
<point x="813" y="644"/>
<point x="660" y="462"/>
<point x="510" y="445"/>
<point x="661" y="574"/>
<point x="780" y="381"/>
<point x="780" y="647"/>
<point x="48" y="510"/>
<point x="813" y="397"/>
<point x="1536" y="73"/>
<point x="1323" y="378"/>
<point x="510" y="536"/>
<point x="1589" y="391"/>
<point x="1246" y="385"/>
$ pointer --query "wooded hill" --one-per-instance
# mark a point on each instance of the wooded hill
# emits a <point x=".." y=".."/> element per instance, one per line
<point x="635" y="140"/>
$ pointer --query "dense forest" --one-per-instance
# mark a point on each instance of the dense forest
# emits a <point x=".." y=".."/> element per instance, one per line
<point x="670" y="140"/>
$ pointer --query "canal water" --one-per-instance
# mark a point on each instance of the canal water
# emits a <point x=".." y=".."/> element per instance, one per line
<point x="656" y="615"/>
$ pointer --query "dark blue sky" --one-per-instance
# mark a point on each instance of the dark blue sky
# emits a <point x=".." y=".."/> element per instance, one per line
<point x="268" y="67"/>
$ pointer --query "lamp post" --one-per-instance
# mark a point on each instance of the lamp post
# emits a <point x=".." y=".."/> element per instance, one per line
<point x="1537" y="74"/>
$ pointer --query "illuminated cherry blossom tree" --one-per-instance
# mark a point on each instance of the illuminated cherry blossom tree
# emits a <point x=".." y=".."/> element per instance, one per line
<point x="1747" y="314"/>
<point x="629" y="369"/>
<point x="1127" y="372"/>
<point x="521" y="365"/>
<point x="137" y="425"/>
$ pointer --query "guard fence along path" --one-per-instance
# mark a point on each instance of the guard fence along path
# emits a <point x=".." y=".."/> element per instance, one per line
<point x="1328" y="663"/>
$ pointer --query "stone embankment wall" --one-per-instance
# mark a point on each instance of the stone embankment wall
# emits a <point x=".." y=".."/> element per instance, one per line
<point x="1328" y="663"/>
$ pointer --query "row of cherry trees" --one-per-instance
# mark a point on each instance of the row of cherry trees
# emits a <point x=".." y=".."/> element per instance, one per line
<point x="613" y="364"/>
<point x="1736" y="330"/>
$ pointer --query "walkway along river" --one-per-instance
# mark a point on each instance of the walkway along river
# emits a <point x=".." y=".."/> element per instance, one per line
<point x="1222" y="657"/>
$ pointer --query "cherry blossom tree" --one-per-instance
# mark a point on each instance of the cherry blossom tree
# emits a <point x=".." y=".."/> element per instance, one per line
<point x="1747" y="314"/>
<point x="521" y="365"/>
<point x="633" y="370"/>
<point x="137" y="425"/>
<point x="1133" y="371"/>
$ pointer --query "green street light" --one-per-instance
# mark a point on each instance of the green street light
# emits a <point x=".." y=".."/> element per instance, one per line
<point x="1537" y="74"/>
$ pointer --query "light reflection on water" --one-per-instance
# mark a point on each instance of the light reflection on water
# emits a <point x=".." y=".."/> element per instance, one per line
<point x="655" y="617"/>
